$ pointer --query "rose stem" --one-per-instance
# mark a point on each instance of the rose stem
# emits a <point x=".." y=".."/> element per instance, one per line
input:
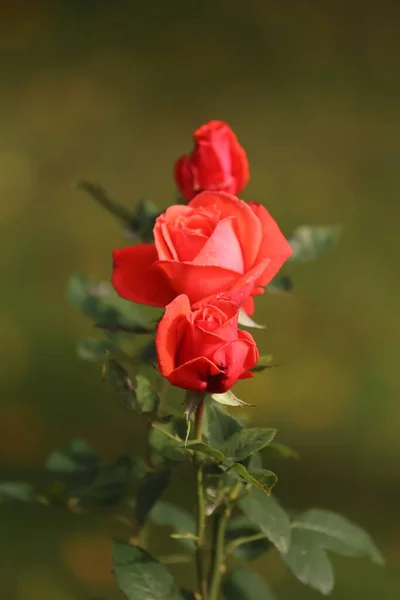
<point x="200" y="506"/>
<point x="218" y="557"/>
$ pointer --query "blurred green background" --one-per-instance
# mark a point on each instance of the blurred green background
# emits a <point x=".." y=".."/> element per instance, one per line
<point x="111" y="91"/>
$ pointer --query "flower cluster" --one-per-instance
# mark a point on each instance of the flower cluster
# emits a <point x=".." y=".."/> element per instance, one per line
<point x="209" y="258"/>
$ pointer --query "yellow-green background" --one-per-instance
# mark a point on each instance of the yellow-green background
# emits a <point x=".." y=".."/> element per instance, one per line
<point x="111" y="91"/>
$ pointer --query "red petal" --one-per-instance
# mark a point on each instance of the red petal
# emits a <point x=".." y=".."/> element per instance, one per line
<point x="169" y="333"/>
<point x="232" y="356"/>
<point x="136" y="277"/>
<point x="197" y="281"/>
<point x="184" y="177"/>
<point x="249" y="306"/>
<point x="240" y="166"/>
<point x="253" y="353"/>
<point x="222" y="249"/>
<point x="194" y="375"/>
<point x="274" y="245"/>
<point x="247" y="225"/>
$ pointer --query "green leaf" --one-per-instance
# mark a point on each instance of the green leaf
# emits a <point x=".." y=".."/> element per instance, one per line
<point x="204" y="448"/>
<point x="247" y="321"/>
<point x="150" y="490"/>
<point x="219" y="425"/>
<point x="144" y="220"/>
<point x="264" y="362"/>
<point x="265" y="512"/>
<point x="241" y="527"/>
<point x="280" y="284"/>
<point x="119" y="380"/>
<point x="229" y="399"/>
<point x="110" y="485"/>
<point x="102" y="304"/>
<point x="261" y="479"/>
<point x="316" y="531"/>
<point x="310" y="242"/>
<point x="94" y="349"/>
<point x="20" y="491"/>
<point x="165" y="444"/>
<point x="175" y="517"/>
<point x="241" y="584"/>
<point x="282" y="450"/>
<point x="146" y="396"/>
<point x="247" y="441"/>
<point x="187" y="595"/>
<point x="76" y="461"/>
<point x="140" y="576"/>
<point x="148" y="353"/>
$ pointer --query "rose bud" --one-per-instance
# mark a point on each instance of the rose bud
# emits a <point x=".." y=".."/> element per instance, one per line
<point x="203" y="350"/>
<point x="218" y="162"/>
<point x="217" y="244"/>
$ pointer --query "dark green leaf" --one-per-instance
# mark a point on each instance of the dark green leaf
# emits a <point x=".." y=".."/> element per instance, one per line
<point x="110" y="485"/>
<point x="282" y="450"/>
<point x="140" y="576"/>
<point x="187" y="595"/>
<point x="148" y="353"/>
<point x="219" y="425"/>
<point x="150" y="490"/>
<point x="170" y="515"/>
<point x="280" y="284"/>
<point x="204" y="448"/>
<point x="119" y="380"/>
<point x="75" y="461"/>
<point x="241" y="584"/>
<point x="246" y="442"/>
<point x="102" y="304"/>
<point x="264" y="362"/>
<point x="146" y="396"/>
<point x="165" y="445"/>
<point x="94" y="349"/>
<point x="144" y="219"/>
<point x="254" y="462"/>
<point x="309" y="242"/>
<point x="261" y="479"/>
<point x="20" y="491"/>
<point x="265" y="512"/>
<point x="241" y="527"/>
<point x="316" y="531"/>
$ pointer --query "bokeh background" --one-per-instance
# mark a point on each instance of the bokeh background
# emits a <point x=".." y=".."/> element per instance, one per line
<point x="111" y="91"/>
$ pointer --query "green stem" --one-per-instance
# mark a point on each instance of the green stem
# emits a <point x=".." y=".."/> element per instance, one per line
<point x="200" y="507"/>
<point x="244" y="540"/>
<point x="218" y="561"/>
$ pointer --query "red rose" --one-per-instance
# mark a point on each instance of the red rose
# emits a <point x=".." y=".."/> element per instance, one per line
<point x="218" y="162"/>
<point x="216" y="245"/>
<point x="203" y="350"/>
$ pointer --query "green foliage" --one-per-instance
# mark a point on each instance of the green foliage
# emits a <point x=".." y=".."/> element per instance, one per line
<point x="178" y="519"/>
<point x="76" y="461"/>
<point x="265" y="512"/>
<point x="140" y="223"/>
<point x="95" y="349"/>
<point x="261" y="479"/>
<point x="140" y="576"/>
<point x="280" y="284"/>
<point x="241" y="584"/>
<point x="141" y="398"/>
<point x="204" y="448"/>
<point x="20" y="491"/>
<point x="247" y="441"/>
<point x="264" y="362"/>
<point x="219" y="424"/>
<point x="309" y="242"/>
<point x="150" y="490"/>
<point x="229" y="399"/>
<point x="316" y="531"/>
<point x="240" y="528"/>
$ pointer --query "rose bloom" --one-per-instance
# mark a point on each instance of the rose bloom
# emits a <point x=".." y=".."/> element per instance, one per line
<point x="216" y="245"/>
<point x="217" y="163"/>
<point x="203" y="350"/>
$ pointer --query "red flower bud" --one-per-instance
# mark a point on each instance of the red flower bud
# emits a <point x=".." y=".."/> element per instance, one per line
<point x="218" y="162"/>
<point x="203" y="350"/>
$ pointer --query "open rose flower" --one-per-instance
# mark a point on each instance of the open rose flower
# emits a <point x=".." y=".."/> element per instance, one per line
<point x="216" y="245"/>
<point x="203" y="350"/>
<point x="218" y="162"/>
